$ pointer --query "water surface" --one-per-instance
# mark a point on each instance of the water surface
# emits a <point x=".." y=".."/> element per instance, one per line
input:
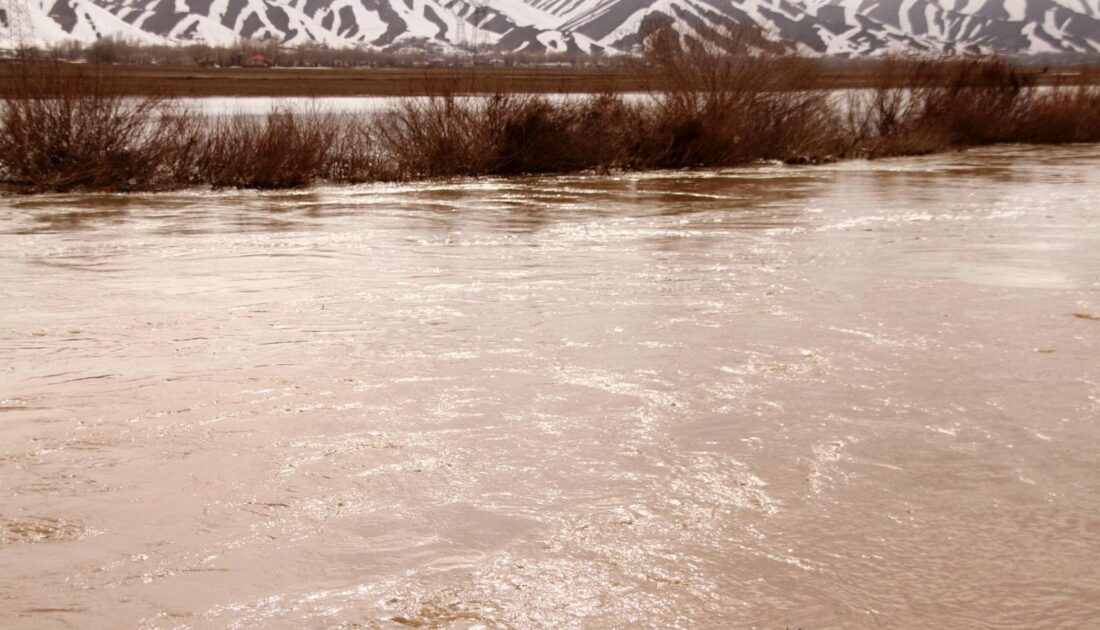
<point x="859" y="395"/>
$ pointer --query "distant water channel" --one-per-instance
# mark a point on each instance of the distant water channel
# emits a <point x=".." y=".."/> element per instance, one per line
<point x="261" y="105"/>
<point x="863" y="395"/>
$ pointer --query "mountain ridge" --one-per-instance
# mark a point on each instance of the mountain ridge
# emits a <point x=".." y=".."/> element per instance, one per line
<point x="815" y="27"/>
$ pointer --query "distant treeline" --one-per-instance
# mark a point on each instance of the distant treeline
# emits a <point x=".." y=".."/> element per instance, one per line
<point x="248" y="52"/>
<point x="717" y="103"/>
<point x="111" y="50"/>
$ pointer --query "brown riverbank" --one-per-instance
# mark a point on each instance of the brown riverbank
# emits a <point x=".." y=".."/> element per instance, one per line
<point x="146" y="80"/>
<point x="65" y="131"/>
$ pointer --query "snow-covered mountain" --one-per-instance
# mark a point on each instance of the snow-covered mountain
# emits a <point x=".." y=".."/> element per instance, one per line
<point x="852" y="27"/>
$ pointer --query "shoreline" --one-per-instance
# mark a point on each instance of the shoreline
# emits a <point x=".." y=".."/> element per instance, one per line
<point x="8" y="192"/>
<point x="68" y="131"/>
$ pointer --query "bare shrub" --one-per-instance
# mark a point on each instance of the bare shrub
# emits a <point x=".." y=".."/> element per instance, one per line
<point x="285" y="149"/>
<point x="432" y="137"/>
<point x="1060" y="115"/>
<point x="889" y="119"/>
<point x="354" y="156"/>
<point x="722" y="101"/>
<point x="530" y="134"/>
<point x="72" y="131"/>
<point x="924" y="105"/>
<point x="505" y="134"/>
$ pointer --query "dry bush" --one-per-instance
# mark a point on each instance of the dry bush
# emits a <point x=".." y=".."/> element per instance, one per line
<point x="889" y="119"/>
<point x="70" y="130"/>
<point x="977" y="101"/>
<point x="1061" y="115"/>
<point x="354" y="156"/>
<point x="718" y="102"/>
<point x="723" y="101"/>
<point x="529" y="134"/>
<point x="504" y="134"/>
<point x="285" y="149"/>
<point x="602" y="132"/>
<point x="432" y="137"/>
<point x="925" y="105"/>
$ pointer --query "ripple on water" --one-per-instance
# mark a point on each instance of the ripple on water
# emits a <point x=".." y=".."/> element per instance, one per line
<point x="39" y="529"/>
<point x="856" y="395"/>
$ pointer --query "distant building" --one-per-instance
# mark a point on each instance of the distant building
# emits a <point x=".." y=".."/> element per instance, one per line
<point x="258" y="61"/>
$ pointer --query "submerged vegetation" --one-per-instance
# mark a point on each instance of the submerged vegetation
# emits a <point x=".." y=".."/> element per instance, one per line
<point x="712" y="104"/>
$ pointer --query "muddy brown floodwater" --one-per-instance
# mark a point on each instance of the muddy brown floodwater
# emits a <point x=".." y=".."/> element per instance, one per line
<point x="858" y="395"/>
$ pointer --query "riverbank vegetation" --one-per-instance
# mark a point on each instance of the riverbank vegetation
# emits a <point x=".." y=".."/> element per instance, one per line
<point x="710" y="104"/>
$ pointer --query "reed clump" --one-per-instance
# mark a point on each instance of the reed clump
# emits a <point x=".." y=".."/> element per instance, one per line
<point x="714" y="103"/>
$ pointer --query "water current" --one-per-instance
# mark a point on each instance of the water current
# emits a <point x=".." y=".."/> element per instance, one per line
<point x="859" y="395"/>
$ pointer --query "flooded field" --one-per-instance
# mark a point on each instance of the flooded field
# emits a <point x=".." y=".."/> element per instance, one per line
<point x="858" y="395"/>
